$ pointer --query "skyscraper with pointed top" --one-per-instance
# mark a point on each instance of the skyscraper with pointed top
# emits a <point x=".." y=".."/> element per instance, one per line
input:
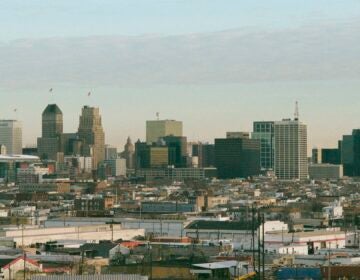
<point x="129" y="154"/>
<point x="92" y="135"/>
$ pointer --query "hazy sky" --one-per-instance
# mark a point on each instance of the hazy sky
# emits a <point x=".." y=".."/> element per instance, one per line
<point x="216" y="65"/>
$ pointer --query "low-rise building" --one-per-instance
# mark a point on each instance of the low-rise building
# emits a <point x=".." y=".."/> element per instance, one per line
<point x="167" y="207"/>
<point x="314" y="240"/>
<point x="239" y="233"/>
<point x="93" y="203"/>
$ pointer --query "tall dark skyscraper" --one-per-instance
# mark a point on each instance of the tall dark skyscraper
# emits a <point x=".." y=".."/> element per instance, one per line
<point x="49" y="144"/>
<point x="177" y="150"/>
<point x="151" y="156"/>
<point x="92" y="135"/>
<point x="331" y="156"/>
<point x="237" y="157"/>
<point x="264" y="131"/>
<point x="140" y="154"/>
<point x="327" y="155"/>
<point x="350" y="153"/>
<point x="52" y="121"/>
<point x="205" y="153"/>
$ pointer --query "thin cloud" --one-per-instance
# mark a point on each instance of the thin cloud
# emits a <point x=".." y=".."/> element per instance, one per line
<point x="322" y="52"/>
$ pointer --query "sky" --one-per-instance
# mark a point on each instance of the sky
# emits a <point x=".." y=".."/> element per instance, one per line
<point x="215" y="65"/>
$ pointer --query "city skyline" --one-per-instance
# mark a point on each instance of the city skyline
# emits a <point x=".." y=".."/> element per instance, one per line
<point x="71" y="124"/>
<point x="179" y="139"/>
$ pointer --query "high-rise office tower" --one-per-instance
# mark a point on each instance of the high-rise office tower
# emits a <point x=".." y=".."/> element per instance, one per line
<point x="49" y="144"/>
<point x="140" y="154"/>
<point x="151" y="156"/>
<point x="52" y="121"/>
<point x="160" y="128"/>
<point x="11" y="136"/>
<point x="331" y="156"/>
<point x="237" y="157"/>
<point x="177" y="150"/>
<point x="350" y="153"/>
<point x="264" y="131"/>
<point x="291" y="160"/>
<point x="92" y="135"/>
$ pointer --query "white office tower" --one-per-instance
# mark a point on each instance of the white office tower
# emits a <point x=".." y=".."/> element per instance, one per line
<point x="11" y="136"/>
<point x="291" y="149"/>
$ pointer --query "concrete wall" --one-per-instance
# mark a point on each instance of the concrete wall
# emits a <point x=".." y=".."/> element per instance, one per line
<point x="89" y="233"/>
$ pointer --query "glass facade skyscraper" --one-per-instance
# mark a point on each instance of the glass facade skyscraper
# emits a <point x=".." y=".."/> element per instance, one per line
<point x="350" y="153"/>
<point x="237" y="157"/>
<point x="264" y="131"/>
<point x="49" y="144"/>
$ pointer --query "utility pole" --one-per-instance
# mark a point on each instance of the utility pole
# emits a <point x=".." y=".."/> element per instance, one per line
<point x="112" y="230"/>
<point x="253" y="236"/>
<point x="263" y="246"/>
<point x="140" y="210"/>
<point x="149" y="260"/>
<point x="259" y="243"/>
<point x="81" y="270"/>
<point x="161" y="226"/>
<point x="24" y="265"/>
<point x="329" y="270"/>
<point x="23" y="247"/>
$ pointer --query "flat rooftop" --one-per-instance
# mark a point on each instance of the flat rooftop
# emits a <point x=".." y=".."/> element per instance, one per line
<point x="20" y="158"/>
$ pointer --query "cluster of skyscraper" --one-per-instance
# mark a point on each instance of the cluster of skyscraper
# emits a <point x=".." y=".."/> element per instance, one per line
<point x="273" y="146"/>
<point x="165" y="145"/>
<point x="276" y="146"/>
<point x="279" y="146"/>
<point x="88" y="141"/>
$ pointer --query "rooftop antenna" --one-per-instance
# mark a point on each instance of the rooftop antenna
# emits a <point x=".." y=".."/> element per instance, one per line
<point x="16" y="114"/>
<point x="89" y="97"/>
<point x="296" y="111"/>
<point x="157" y="115"/>
<point x="52" y="96"/>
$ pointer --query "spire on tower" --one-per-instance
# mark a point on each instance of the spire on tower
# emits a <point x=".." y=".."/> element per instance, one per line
<point x="296" y="115"/>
